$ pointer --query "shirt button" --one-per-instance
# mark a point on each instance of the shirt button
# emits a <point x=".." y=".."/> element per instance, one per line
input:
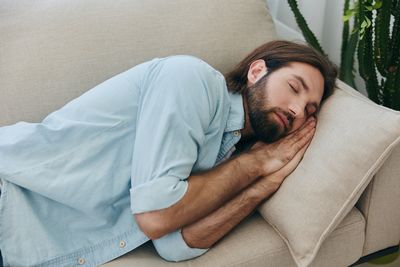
<point x="236" y="133"/>
<point x="122" y="244"/>
<point x="81" y="261"/>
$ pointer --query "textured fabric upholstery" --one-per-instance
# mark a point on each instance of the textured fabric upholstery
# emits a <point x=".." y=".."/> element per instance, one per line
<point x="380" y="204"/>
<point x="53" y="51"/>
<point x="254" y="243"/>
<point x="353" y="139"/>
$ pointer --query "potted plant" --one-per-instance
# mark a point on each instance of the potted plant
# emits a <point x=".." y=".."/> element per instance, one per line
<point x="371" y="31"/>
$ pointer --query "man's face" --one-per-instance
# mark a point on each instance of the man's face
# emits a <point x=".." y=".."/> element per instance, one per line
<point x="280" y="102"/>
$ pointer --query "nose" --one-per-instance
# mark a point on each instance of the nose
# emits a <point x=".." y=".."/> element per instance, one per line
<point x="297" y="110"/>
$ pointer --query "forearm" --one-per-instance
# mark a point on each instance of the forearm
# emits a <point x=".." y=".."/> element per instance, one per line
<point x="208" y="230"/>
<point x="206" y="192"/>
<point x="210" y="190"/>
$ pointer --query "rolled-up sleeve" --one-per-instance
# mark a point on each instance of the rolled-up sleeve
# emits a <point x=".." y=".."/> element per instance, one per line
<point x="172" y="247"/>
<point x="174" y="113"/>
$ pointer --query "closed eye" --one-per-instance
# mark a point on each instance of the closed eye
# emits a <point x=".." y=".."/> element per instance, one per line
<point x="293" y="88"/>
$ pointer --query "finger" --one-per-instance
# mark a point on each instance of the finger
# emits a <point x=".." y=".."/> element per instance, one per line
<point x="301" y="152"/>
<point x="306" y="123"/>
<point x="294" y="136"/>
<point x="299" y="155"/>
<point x="301" y="140"/>
<point x="310" y="126"/>
<point x="297" y="142"/>
<point x="293" y="163"/>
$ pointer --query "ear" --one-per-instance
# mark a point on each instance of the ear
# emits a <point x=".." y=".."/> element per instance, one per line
<point x="257" y="70"/>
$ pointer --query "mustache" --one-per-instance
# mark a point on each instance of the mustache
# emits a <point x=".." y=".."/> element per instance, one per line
<point x="288" y="115"/>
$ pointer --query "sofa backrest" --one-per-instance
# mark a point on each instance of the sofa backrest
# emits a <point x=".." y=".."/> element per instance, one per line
<point x="53" y="51"/>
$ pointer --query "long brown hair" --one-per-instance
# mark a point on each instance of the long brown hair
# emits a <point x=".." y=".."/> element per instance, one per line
<point x="277" y="54"/>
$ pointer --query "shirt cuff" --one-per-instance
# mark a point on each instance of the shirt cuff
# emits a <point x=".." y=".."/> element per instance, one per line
<point x="172" y="247"/>
<point x="157" y="194"/>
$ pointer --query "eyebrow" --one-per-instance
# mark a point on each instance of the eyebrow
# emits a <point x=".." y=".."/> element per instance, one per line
<point x="300" y="79"/>
<point x="303" y="83"/>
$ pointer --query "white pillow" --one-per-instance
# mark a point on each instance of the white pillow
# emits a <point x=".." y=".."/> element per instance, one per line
<point x="354" y="137"/>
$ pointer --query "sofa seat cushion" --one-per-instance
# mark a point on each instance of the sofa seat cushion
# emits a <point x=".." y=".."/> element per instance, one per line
<point x="255" y="243"/>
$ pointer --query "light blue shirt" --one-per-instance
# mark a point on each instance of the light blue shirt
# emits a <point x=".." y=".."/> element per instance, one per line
<point x="71" y="183"/>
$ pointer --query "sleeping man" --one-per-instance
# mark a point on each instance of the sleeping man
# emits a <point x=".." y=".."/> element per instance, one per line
<point x="170" y="151"/>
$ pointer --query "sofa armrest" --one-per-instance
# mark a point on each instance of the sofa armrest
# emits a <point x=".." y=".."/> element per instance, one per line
<point x="380" y="205"/>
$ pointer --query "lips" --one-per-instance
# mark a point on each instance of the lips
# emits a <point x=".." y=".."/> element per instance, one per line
<point x="283" y="119"/>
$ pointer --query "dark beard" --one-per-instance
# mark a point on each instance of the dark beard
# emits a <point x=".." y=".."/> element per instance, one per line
<point x="265" y="127"/>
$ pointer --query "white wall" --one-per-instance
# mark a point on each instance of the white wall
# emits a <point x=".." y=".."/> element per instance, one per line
<point x="324" y="17"/>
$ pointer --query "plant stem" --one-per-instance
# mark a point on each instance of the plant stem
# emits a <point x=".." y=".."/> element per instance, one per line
<point x="307" y="33"/>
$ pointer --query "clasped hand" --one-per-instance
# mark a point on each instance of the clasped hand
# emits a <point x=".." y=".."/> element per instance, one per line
<point x="281" y="158"/>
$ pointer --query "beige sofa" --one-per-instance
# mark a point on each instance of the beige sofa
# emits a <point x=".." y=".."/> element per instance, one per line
<point x="53" y="51"/>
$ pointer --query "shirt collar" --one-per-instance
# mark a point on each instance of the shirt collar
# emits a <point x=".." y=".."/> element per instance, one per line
<point x="236" y="113"/>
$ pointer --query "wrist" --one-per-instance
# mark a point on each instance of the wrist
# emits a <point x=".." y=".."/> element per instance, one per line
<point x="262" y="162"/>
<point x="263" y="188"/>
<point x="252" y="163"/>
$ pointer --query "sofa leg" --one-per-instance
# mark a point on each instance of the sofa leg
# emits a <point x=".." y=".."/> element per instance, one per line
<point x="377" y="254"/>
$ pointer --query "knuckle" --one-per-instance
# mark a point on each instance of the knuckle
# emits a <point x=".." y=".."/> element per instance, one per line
<point x="287" y="157"/>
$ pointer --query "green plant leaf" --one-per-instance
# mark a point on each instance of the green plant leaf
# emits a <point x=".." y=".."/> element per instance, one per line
<point x="346" y="17"/>
<point x="378" y="4"/>
<point x="368" y="21"/>
<point x="306" y="31"/>
<point x="363" y="24"/>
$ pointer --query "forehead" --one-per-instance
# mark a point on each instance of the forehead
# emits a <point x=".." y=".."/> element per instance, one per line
<point x="306" y="75"/>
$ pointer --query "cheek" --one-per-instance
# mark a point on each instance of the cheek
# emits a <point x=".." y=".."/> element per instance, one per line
<point x="278" y="97"/>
